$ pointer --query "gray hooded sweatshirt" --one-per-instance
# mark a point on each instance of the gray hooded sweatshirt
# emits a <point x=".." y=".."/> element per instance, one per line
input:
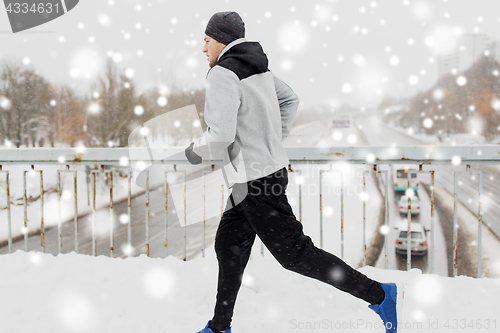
<point x="248" y="112"/>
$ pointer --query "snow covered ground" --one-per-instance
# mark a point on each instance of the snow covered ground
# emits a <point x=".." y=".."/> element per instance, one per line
<point x="71" y="293"/>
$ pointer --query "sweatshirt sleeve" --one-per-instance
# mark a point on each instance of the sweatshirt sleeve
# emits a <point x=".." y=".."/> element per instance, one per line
<point x="289" y="103"/>
<point x="222" y="101"/>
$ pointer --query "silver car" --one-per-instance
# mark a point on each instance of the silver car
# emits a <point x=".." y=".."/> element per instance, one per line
<point x="403" y="205"/>
<point x="418" y="239"/>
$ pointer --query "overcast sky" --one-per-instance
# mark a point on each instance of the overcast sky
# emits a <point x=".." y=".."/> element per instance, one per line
<point x="343" y="51"/>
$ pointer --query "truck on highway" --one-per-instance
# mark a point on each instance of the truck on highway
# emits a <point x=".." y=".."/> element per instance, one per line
<point x="400" y="181"/>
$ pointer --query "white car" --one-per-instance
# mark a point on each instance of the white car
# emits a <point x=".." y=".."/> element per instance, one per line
<point x="403" y="205"/>
<point x="418" y="239"/>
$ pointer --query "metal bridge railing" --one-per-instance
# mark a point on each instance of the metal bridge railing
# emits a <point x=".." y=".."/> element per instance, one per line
<point x="372" y="157"/>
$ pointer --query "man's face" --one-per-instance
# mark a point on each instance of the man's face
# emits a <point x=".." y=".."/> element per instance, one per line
<point x="213" y="49"/>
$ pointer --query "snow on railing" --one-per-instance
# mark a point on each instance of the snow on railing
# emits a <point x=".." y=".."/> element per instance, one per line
<point x="129" y="157"/>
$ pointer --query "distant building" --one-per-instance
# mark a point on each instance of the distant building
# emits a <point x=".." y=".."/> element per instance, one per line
<point x="457" y="55"/>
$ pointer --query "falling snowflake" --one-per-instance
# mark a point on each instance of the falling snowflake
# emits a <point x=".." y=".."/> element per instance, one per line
<point x="35" y="258"/>
<point x="191" y="62"/>
<point x="363" y="196"/>
<point x="413" y="80"/>
<point x="287" y="64"/>
<point x="337" y="274"/>
<point x="124" y="218"/>
<point x="328" y="211"/>
<point x="293" y="38"/>
<point x="346" y="88"/>
<point x="123" y="161"/>
<point x="418" y="315"/>
<point x="394" y="60"/>
<point x="139" y="110"/>
<point x="81" y="149"/>
<point x="104" y="20"/>
<point x="428" y="123"/>
<point x="117" y="57"/>
<point x="94" y="108"/>
<point x="159" y="282"/>
<point x="456" y="160"/>
<point x="337" y="135"/>
<point x="359" y="60"/>
<point x="438" y="94"/>
<point x="461" y="80"/>
<point x="5" y="103"/>
<point x="66" y="195"/>
<point x="144" y="131"/>
<point x="75" y="311"/>
<point x="162" y="101"/>
<point x="421" y="11"/>
<point x="410" y="193"/>
<point x="127" y="249"/>
<point x="129" y="72"/>
<point x="384" y="229"/>
<point x="427" y="289"/>
<point x="299" y="180"/>
<point x="495" y="104"/>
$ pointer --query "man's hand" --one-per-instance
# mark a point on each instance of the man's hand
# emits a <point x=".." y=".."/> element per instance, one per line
<point x="191" y="155"/>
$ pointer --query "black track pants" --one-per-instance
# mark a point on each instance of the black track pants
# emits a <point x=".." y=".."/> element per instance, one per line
<point x="265" y="211"/>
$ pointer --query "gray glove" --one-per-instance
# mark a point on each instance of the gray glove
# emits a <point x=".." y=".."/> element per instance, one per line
<point x="192" y="157"/>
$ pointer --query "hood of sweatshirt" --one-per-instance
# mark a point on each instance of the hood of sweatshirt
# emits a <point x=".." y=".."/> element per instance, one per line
<point x="245" y="58"/>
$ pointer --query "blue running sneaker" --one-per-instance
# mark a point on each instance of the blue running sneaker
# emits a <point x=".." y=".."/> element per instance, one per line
<point x="391" y="308"/>
<point x="208" y="330"/>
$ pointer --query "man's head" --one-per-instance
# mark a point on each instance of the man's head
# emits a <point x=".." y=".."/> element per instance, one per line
<point x="213" y="49"/>
<point x="222" y="29"/>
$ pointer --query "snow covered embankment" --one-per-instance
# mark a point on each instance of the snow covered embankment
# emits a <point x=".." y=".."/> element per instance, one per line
<point x="78" y="293"/>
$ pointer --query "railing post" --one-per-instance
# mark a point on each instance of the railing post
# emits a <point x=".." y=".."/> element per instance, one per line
<point x="455" y="226"/>
<point x="364" y="217"/>
<point x="165" y="243"/>
<point x="432" y="221"/>
<point x="9" y="222"/>
<point x="408" y="231"/>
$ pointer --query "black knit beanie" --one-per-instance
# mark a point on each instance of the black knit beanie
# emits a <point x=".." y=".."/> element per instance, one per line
<point x="225" y="27"/>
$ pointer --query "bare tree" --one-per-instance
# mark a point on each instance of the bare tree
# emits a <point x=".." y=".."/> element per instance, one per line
<point x="29" y="94"/>
<point x="117" y="99"/>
